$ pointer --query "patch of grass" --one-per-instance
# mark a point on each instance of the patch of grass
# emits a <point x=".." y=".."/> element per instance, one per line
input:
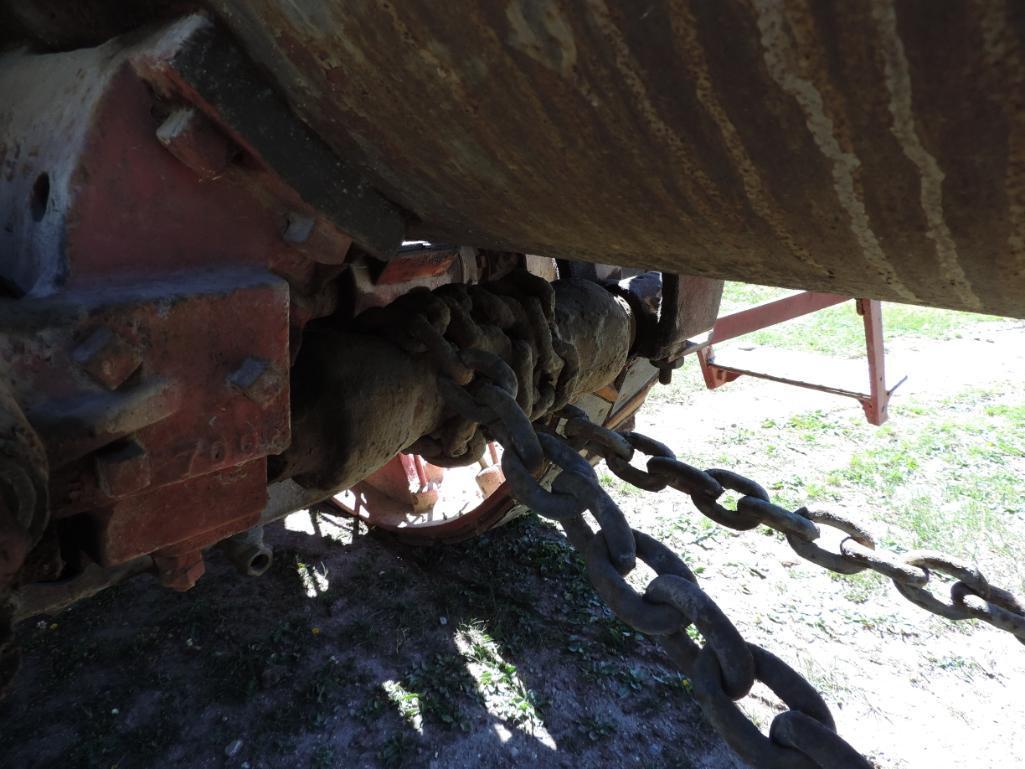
<point x="616" y="635"/>
<point x="524" y="544"/>
<point x="962" y="667"/>
<point x="406" y="702"/>
<point x="373" y="706"/>
<point x="859" y="588"/>
<point x="882" y="467"/>
<point x="614" y="483"/>
<point x="946" y="475"/>
<point x="943" y="480"/>
<point x="435" y="689"/>
<point x="811" y="422"/>
<point x="328" y="684"/>
<point x="835" y="687"/>
<point x="814" y="427"/>
<point x="789" y="491"/>
<point x="397" y="751"/>
<point x="498" y="682"/>
<point x="739" y="296"/>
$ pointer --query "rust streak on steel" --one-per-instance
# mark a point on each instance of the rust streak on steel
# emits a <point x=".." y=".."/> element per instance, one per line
<point x="869" y="149"/>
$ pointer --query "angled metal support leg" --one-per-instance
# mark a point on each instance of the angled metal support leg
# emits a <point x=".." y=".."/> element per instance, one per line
<point x="874" y="402"/>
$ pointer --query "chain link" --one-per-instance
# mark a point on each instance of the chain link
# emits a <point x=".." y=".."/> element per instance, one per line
<point x="971" y="595"/>
<point x="724" y="667"/>
<point x="642" y="479"/>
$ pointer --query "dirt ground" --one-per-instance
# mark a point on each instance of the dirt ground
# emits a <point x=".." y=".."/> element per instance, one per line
<point x="355" y="651"/>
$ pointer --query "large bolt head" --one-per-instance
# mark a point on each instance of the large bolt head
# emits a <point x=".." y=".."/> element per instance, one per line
<point x="123" y="469"/>
<point x="180" y="571"/>
<point x="107" y="358"/>
<point x="257" y="379"/>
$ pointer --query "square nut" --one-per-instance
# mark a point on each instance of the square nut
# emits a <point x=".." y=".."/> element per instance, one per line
<point x="123" y="469"/>
<point x="107" y="358"/>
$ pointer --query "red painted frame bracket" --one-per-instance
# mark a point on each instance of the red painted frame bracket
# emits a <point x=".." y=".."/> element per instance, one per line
<point x="874" y="402"/>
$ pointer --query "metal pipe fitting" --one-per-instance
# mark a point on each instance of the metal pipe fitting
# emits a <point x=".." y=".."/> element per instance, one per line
<point x="248" y="552"/>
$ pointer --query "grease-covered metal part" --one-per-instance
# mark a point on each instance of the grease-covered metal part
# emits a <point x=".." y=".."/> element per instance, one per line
<point x="874" y="148"/>
<point x="358" y="399"/>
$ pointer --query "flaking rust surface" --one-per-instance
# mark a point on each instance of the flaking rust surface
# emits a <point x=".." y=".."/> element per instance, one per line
<point x="870" y="148"/>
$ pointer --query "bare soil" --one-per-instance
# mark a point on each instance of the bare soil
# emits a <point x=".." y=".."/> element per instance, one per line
<point x="357" y="651"/>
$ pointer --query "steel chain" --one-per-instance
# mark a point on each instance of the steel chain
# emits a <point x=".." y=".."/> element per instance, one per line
<point x="469" y="334"/>
<point x="971" y="595"/>
<point x="725" y="668"/>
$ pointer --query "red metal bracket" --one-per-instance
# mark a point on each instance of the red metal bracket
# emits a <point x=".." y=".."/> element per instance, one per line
<point x="874" y="402"/>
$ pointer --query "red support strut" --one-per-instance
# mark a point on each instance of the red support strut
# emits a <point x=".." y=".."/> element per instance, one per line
<point x="874" y="402"/>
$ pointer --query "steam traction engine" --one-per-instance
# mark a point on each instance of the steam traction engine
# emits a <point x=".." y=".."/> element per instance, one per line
<point x="193" y="343"/>
<point x="254" y="255"/>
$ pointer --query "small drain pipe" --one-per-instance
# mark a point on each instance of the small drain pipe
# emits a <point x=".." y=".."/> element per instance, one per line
<point x="248" y="552"/>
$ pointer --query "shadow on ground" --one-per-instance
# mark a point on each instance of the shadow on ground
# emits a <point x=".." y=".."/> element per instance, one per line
<point x="358" y="651"/>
